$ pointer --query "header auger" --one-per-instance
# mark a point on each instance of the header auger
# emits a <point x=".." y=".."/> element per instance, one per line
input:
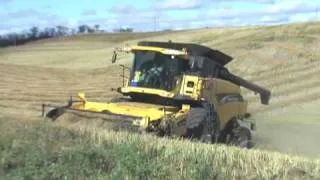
<point x="177" y="89"/>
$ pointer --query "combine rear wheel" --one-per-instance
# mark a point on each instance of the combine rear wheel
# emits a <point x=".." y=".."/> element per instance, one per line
<point x="242" y="137"/>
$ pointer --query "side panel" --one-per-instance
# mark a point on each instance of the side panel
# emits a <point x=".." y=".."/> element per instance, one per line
<point x="213" y="87"/>
<point x="230" y="110"/>
<point x="225" y="87"/>
<point x="226" y="98"/>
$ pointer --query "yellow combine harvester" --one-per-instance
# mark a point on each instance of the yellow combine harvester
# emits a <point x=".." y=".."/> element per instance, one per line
<point x="177" y="89"/>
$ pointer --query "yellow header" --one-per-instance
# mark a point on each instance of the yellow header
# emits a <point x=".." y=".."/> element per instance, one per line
<point x="158" y="92"/>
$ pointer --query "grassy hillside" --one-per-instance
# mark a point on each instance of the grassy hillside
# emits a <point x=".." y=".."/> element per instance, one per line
<point x="42" y="151"/>
<point x="284" y="59"/>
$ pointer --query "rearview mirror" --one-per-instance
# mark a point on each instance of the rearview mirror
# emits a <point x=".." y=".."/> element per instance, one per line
<point x="114" y="57"/>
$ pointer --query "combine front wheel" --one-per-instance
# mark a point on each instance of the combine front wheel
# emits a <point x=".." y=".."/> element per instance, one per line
<point x="195" y="122"/>
<point x="201" y="125"/>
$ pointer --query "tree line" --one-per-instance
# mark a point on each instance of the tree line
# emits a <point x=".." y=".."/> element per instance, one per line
<point x="35" y="33"/>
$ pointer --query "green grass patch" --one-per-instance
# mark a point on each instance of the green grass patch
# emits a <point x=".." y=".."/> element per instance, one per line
<point x="43" y="151"/>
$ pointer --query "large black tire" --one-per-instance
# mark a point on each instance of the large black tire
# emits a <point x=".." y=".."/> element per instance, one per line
<point x="201" y="124"/>
<point x="195" y="122"/>
<point x="242" y="137"/>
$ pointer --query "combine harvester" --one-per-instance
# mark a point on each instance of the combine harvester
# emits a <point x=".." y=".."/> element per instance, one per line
<point x="177" y="89"/>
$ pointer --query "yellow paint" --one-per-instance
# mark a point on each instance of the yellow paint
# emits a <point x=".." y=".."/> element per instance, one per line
<point x="183" y="113"/>
<point x="160" y="50"/>
<point x="82" y="96"/>
<point x="191" y="86"/>
<point x="158" y="92"/>
<point x="150" y="113"/>
<point x="194" y="91"/>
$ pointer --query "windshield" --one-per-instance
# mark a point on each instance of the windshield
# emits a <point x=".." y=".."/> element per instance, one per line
<point x="155" y="70"/>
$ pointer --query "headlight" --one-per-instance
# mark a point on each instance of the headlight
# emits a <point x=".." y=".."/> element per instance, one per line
<point x="137" y="122"/>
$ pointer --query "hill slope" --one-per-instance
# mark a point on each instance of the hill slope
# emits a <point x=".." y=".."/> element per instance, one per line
<point x="282" y="58"/>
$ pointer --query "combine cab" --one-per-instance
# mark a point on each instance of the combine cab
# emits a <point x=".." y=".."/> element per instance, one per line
<point x="177" y="89"/>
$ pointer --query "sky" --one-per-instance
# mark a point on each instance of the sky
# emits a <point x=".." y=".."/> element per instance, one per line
<point x="149" y="15"/>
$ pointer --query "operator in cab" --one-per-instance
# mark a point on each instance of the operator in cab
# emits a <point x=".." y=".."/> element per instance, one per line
<point x="154" y="76"/>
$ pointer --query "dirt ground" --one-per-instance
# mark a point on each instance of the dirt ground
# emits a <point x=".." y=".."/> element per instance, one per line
<point x="296" y="130"/>
<point x="294" y="138"/>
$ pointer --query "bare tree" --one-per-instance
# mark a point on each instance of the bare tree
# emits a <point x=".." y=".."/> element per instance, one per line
<point x="83" y="28"/>
<point x="62" y="30"/>
<point x="34" y="32"/>
<point x="73" y="31"/>
<point x="97" y="27"/>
